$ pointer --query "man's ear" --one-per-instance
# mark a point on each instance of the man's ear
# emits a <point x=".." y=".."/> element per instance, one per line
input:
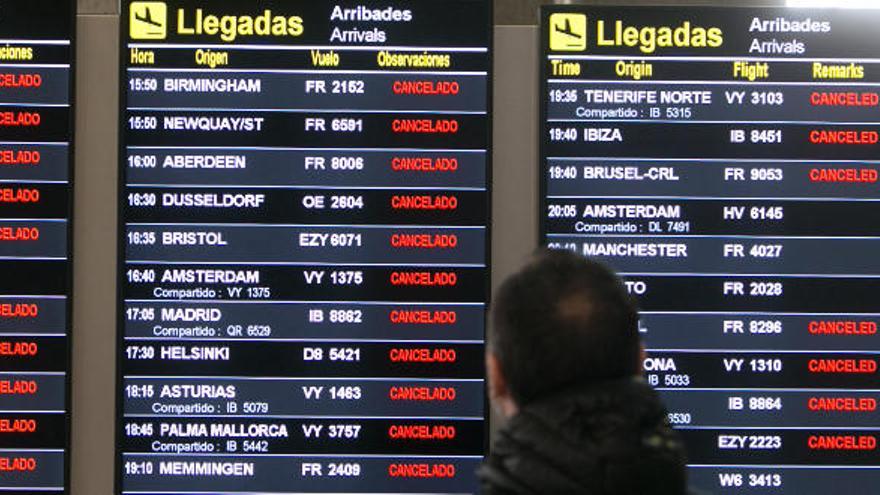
<point x="499" y="392"/>
<point x="497" y="381"/>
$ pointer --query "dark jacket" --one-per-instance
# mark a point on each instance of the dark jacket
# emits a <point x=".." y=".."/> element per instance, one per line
<point x="607" y="439"/>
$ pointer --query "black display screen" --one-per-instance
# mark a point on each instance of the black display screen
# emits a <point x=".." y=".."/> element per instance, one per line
<point x="725" y="161"/>
<point x="36" y="132"/>
<point x="304" y="238"/>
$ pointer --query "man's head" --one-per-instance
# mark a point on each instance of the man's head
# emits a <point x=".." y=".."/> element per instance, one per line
<point x="559" y="322"/>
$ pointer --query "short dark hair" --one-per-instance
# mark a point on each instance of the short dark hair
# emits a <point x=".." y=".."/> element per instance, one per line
<point x="561" y="321"/>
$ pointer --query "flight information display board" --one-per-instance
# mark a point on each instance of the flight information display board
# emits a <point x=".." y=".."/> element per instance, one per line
<point x="304" y="212"/>
<point x="36" y="131"/>
<point x="725" y="160"/>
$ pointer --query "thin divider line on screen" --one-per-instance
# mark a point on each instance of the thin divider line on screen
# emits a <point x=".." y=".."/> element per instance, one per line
<point x="301" y="110"/>
<point x="311" y="47"/>
<point x="316" y="72"/>
<point x="697" y="58"/>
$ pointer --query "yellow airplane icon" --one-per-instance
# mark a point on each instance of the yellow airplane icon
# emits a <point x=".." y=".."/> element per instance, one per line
<point x="149" y="20"/>
<point x="568" y="32"/>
